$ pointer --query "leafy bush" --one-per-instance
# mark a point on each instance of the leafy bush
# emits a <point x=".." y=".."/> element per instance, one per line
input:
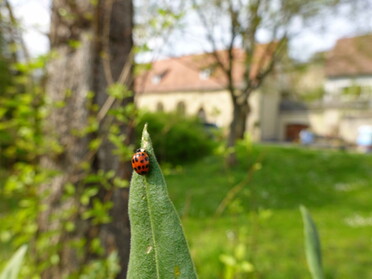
<point x="178" y="138"/>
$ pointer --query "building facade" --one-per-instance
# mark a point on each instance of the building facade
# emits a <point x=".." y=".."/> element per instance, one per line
<point x="192" y="85"/>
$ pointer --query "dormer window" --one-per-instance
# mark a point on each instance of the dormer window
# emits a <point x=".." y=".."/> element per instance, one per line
<point x="205" y="74"/>
<point x="157" y="78"/>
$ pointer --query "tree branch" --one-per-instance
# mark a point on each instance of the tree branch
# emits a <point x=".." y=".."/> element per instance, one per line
<point x="106" y="42"/>
<point x="234" y="21"/>
<point x="249" y="40"/>
<point x="278" y="49"/>
<point x="211" y="39"/>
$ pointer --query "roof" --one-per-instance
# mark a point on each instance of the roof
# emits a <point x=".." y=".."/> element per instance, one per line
<point x="198" y="72"/>
<point x="350" y="57"/>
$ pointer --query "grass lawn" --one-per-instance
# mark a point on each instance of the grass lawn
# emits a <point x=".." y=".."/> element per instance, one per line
<point x="259" y="220"/>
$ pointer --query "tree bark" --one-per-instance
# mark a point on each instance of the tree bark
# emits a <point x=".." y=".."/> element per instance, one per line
<point x="72" y="75"/>
<point x="116" y="234"/>
<point x="238" y="125"/>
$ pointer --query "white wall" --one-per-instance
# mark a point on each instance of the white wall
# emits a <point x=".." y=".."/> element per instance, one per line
<point x="216" y="104"/>
<point x="269" y="111"/>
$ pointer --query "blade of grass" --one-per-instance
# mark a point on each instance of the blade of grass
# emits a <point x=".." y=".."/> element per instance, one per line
<point x="312" y="245"/>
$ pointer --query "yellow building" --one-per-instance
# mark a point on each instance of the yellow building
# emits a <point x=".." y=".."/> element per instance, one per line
<point x="194" y="86"/>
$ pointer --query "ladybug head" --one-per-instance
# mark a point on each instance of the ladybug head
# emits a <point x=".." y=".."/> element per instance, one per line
<point x="140" y="150"/>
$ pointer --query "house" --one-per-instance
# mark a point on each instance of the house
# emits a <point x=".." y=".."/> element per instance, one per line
<point x="302" y="84"/>
<point x="349" y="71"/>
<point x="335" y="93"/>
<point x="339" y="84"/>
<point x="347" y="102"/>
<point x="194" y="85"/>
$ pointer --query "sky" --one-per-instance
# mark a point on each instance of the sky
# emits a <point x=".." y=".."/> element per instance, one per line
<point x="34" y="16"/>
<point x="35" y="19"/>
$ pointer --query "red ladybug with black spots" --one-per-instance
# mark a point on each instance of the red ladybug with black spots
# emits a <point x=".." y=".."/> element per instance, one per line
<point x="141" y="162"/>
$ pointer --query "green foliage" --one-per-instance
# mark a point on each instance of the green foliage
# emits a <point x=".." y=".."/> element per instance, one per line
<point x="235" y="261"/>
<point x="107" y="268"/>
<point x="119" y="91"/>
<point x="21" y="114"/>
<point x="20" y="147"/>
<point x="178" y="138"/>
<point x="14" y="265"/>
<point x="98" y="213"/>
<point x="5" y="75"/>
<point x="22" y="144"/>
<point x="353" y="91"/>
<point x="315" y="94"/>
<point x="312" y="245"/>
<point x="156" y="20"/>
<point x="158" y="246"/>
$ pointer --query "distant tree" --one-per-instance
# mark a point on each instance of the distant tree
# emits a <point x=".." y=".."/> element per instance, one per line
<point x="155" y="21"/>
<point x="240" y="23"/>
<point x="85" y="211"/>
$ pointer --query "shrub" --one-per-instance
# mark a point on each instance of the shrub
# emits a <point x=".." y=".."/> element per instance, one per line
<point x="178" y="138"/>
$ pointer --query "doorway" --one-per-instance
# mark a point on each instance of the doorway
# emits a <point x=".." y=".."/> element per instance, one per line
<point x="292" y="131"/>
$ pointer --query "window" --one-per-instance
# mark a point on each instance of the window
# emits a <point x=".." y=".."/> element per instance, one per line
<point x="157" y="78"/>
<point x="159" y="107"/>
<point x="202" y="115"/>
<point x="181" y="108"/>
<point x="205" y="74"/>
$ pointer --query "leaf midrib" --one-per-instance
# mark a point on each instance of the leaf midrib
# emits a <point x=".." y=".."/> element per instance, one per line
<point x="152" y="229"/>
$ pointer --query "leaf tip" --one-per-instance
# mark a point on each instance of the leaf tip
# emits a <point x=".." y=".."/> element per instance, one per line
<point x="145" y="140"/>
<point x="145" y="133"/>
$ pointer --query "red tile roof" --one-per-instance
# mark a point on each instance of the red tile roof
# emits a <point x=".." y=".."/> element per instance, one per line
<point x="186" y="73"/>
<point x="350" y="57"/>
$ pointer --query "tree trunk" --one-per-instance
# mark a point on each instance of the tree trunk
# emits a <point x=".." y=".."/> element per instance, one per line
<point x="116" y="234"/>
<point x="77" y="70"/>
<point x="238" y="127"/>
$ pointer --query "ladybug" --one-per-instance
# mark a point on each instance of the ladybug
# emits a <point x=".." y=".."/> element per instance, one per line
<point x="141" y="162"/>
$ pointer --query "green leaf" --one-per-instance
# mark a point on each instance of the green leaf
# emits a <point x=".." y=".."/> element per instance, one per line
<point x="11" y="270"/>
<point x="119" y="91"/>
<point x="75" y="44"/>
<point x="120" y="183"/>
<point x="95" y="144"/>
<point x="312" y="245"/>
<point x="158" y="245"/>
